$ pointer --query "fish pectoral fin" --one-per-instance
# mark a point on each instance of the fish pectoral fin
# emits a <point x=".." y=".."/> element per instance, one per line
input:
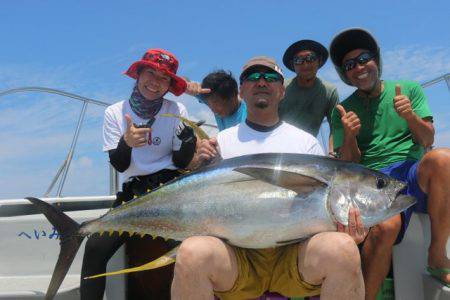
<point x="296" y="182"/>
<point x="239" y="181"/>
<point x="166" y="259"/>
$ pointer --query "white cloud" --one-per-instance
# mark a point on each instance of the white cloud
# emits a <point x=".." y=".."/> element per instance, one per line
<point x="416" y="63"/>
<point x="84" y="162"/>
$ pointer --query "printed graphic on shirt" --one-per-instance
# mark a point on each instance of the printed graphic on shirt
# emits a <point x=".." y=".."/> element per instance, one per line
<point x="156" y="140"/>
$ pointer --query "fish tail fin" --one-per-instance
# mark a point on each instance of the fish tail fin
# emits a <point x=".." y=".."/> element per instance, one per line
<point x="70" y="241"/>
<point x="162" y="261"/>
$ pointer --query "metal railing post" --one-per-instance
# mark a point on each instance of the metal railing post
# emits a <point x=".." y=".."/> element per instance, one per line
<point x="113" y="181"/>
<point x="447" y="80"/>
<point x="445" y="77"/>
<point x="72" y="149"/>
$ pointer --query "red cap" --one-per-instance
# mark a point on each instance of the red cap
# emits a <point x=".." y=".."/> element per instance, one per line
<point x="161" y="60"/>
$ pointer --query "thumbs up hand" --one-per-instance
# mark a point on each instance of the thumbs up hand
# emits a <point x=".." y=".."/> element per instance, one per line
<point x="350" y="122"/>
<point x="135" y="137"/>
<point x="402" y="104"/>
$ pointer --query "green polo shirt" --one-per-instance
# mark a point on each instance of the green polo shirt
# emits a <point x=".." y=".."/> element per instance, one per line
<point x="306" y="108"/>
<point x="384" y="137"/>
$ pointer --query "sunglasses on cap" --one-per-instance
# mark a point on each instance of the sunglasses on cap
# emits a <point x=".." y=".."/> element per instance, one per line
<point x="361" y="60"/>
<point x="300" y="60"/>
<point x="269" y="77"/>
<point x="160" y="58"/>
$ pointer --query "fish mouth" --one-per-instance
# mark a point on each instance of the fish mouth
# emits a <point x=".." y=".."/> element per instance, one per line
<point x="400" y="192"/>
<point x="400" y="188"/>
<point x="402" y="203"/>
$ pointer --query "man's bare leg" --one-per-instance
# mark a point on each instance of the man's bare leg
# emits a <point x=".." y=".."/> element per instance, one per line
<point x="332" y="259"/>
<point x="203" y="265"/>
<point x="376" y="254"/>
<point x="434" y="180"/>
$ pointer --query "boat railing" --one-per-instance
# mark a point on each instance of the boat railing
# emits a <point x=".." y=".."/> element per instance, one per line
<point x="61" y="174"/>
<point x="16" y="207"/>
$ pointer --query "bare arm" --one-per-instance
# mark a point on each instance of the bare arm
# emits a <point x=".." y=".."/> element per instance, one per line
<point x="422" y="131"/>
<point x="330" y="143"/>
<point x="349" y="150"/>
<point x="335" y="100"/>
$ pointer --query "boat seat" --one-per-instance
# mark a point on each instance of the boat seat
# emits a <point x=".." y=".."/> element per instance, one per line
<point x="412" y="281"/>
<point x="433" y="289"/>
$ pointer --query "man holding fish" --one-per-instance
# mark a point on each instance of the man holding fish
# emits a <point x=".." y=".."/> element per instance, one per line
<point x="327" y="263"/>
<point x="263" y="219"/>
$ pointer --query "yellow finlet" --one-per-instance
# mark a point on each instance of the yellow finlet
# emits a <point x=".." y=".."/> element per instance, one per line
<point x="120" y="232"/>
<point x="198" y="131"/>
<point x="164" y="260"/>
<point x="111" y="232"/>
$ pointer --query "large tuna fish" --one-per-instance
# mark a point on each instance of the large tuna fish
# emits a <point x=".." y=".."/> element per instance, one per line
<point x="252" y="201"/>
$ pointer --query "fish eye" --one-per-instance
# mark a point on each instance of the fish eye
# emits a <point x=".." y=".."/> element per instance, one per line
<point x="381" y="183"/>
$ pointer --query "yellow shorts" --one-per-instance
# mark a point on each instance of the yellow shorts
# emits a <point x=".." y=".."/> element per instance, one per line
<point x="273" y="270"/>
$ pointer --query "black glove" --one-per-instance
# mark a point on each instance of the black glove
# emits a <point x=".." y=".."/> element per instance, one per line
<point x="186" y="134"/>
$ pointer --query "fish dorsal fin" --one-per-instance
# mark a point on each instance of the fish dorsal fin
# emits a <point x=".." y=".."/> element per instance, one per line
<point x="296" y="182"/>
<point x="162" y="261"/>
<point x="200" y="132"/>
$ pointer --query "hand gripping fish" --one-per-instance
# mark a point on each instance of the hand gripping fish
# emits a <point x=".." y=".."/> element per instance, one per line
<point x="252" y="201"/>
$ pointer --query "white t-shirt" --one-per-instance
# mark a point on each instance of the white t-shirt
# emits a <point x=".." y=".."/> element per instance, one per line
<point x="151" y="158"/>
<point x="241" y="140"/>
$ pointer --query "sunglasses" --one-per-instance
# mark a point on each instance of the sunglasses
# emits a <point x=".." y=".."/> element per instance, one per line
<point x="269" y="77"/>
<point x="300" y="60"/>
<point x="162" y="59"/>
<point x="361" y="60"/>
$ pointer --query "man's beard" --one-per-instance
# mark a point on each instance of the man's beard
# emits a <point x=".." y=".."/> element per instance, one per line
<point x="262" y="103"/>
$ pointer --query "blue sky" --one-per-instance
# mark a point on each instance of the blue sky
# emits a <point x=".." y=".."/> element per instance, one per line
<point x="83" y="47"/>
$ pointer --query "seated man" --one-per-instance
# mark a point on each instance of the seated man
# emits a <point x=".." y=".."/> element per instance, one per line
<point x="219" y="91"/>
<point x="387" y="126"/>
<point x="327" y="263"/>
